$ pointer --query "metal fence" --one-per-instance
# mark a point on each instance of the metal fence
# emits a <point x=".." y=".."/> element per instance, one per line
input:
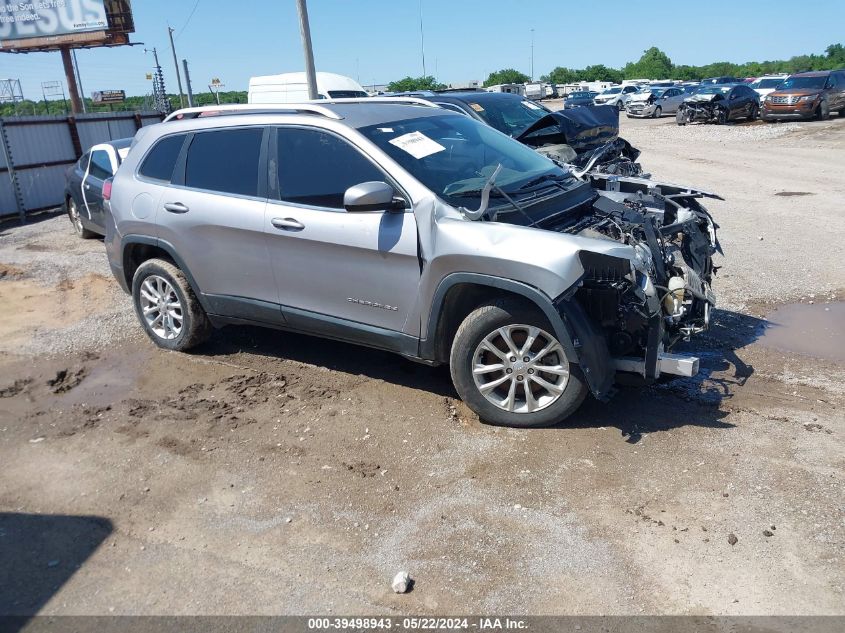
<point x="35" y="152"/>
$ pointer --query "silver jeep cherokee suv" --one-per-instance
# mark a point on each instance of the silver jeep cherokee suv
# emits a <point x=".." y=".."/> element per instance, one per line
<point x="409" y="228"/>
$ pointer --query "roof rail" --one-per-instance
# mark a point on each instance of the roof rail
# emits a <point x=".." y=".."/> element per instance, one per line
<point x="310" y="107"/>
<point x="249" y="108"/>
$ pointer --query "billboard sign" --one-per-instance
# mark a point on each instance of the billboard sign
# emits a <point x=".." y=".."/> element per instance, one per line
<point x="20" y="20"/>
<point x="108" y="96"/>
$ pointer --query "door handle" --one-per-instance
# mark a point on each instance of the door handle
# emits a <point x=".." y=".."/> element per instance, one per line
<point x="175" y="207"/>
<point x="287" y="224"/>
<point x="87" y="186"/>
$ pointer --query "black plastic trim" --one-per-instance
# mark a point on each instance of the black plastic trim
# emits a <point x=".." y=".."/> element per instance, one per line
<point x="428" y="345"/>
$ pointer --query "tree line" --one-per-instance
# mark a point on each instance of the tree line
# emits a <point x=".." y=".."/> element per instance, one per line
<point x="653" y="64"/>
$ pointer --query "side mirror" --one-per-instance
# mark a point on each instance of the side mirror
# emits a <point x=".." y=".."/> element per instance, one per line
<point x="372" y="196"/>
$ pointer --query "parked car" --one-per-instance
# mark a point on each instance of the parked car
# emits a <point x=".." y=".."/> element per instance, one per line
<point x="655" y="102"/>
<point x="568" y="136"/>
<point x="617" y="96"/>
<point x="578" y="99"/>
<point x="419" y="231"/>
<point x="766" y="85"/>
<point x="724" y="79"/>
<point x="507" y="112"/>
<point x="84" y="183"/>
<point x="807" y="95"/>
<point x="719" y="103"/>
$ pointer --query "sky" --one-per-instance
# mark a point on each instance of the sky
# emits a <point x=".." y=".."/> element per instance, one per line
<point x="376" y="41"/>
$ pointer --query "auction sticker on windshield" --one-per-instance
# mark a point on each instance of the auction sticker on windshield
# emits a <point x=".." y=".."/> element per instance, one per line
<point x="417" y="144"/>
<point x="476" y="107"/>
<point x="532" y="106"/>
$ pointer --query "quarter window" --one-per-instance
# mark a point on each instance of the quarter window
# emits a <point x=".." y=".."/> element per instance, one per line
<point x="225" y="161"/>
<point x="315" y="168"/>
<point x="100" y="165"/>
<point x="161" y="160"/>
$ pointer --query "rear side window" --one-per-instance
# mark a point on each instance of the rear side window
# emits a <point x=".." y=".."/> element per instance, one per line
<point x="161" y="160"/>
<point x="100" y="165"/>
<point x="225" y="161"/>
<point x="316" y="168"/>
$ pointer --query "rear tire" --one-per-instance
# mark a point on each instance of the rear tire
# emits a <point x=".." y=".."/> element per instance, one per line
<point x="76" y="221"/>
<point x="167" y="307"/>
<point x="491" y="347"/>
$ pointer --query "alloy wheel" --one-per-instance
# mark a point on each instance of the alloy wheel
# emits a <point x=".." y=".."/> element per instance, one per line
<point x="73" y="211"/>
<point x="520" y="368"/>
<point x="161" y="307"/>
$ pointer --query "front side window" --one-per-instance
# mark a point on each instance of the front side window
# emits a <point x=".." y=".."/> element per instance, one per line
<point x="161" y="160"/>
<point x="315" y="168"/>
<point x="100" y="165"/>
<point x="225" y="161"/>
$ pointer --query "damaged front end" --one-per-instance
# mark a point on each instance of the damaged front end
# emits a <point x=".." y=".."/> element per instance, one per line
<point x="703" y="108"/>
<point x="585" y="138"/>
<point x="642" y="306"/>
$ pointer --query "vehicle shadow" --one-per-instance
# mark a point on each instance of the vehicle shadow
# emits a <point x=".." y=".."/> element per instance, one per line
<point x="9" y="222"/>
<point x="38" y="554"/>
<point x="635" y="410"/>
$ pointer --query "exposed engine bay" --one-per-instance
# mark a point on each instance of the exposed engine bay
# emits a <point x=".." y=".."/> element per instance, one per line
<point x="664" y="295"/>
<point x="642" y="305"/>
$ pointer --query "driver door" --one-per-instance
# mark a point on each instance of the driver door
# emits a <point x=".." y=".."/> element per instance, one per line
<point x="338" y="273"/>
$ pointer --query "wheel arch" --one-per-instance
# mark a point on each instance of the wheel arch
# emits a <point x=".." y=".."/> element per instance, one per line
<point x="136" y="249"/>
<point x="459" y="294"/>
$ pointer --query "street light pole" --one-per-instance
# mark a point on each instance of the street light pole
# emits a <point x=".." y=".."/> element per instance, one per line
<point x="422" y="40"/>
<point x="305" y="32"/>
<point x="532" y="54"/>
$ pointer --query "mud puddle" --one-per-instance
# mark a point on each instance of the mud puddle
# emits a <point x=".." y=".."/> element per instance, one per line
<point x="810" y="329"/>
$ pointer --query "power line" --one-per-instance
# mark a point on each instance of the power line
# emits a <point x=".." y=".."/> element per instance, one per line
<point x="188" y="21"/>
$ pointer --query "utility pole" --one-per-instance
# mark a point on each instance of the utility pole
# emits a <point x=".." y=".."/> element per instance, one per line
<point x="188" y="84"/>
<point x="176" y="64"/>
<point x="532" y="54"/>
<point x="305" y="32"/>
<point x="79" y="81"/>
<point x="422" y="40"/>
<point x="70" y="77"/>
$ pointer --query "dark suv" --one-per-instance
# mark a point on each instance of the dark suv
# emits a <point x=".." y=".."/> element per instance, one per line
<point x="807" y="96"/>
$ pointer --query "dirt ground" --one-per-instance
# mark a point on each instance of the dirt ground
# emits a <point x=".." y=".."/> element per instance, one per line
<point x="271" y="473"/>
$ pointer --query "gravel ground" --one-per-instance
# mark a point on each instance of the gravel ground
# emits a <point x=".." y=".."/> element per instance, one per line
<point x="49" y="255"/>
<point x="137" y="481"/>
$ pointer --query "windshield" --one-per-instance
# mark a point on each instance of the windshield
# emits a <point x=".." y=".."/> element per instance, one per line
<point x="612" y="91"/>
<point x="581" y="95"/>
<point x="714" y="90"/>
<point x="812" y="83"/>
<point x="454" y="156"/>
<point x="346" y="94"/>
<point x="767" y="83"/>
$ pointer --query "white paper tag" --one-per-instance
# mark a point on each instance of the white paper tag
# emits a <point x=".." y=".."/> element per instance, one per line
<point x="417" y="144"/>
<point x="533" y="106"/>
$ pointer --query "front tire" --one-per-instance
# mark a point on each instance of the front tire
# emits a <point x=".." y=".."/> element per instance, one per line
<point x="823" y="111"/>
<point x="658" y="112"/>
<point x="167" y="307"/>
<point x="509" y="367"/>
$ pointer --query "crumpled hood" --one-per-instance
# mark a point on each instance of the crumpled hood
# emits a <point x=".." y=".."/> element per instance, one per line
<point x="705" y="98"/>
<point x="641" y="96"/>
<point x="583" y="129"/>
